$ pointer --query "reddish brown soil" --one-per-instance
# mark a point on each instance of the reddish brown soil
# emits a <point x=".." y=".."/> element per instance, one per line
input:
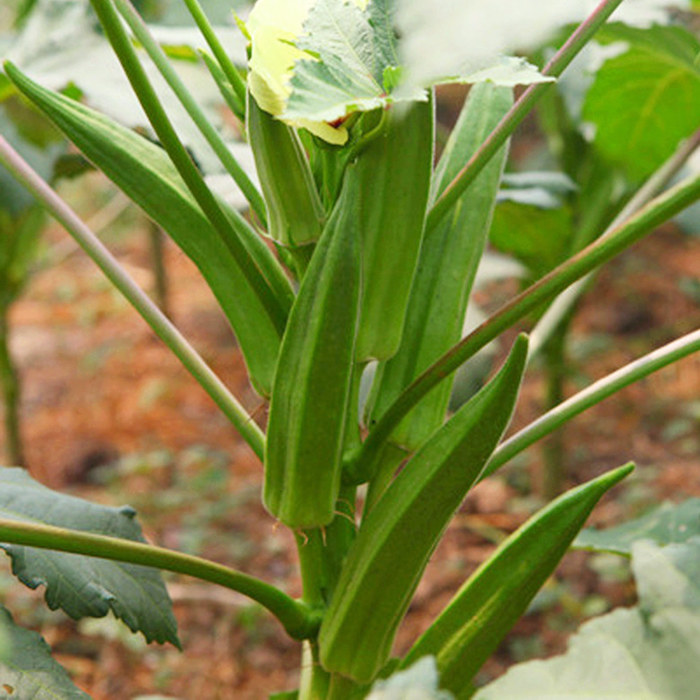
<point x="99" y="387"/>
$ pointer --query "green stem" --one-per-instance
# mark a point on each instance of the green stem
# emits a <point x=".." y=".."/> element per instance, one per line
<point x="234" y="77"/>
<point x="389" y="461"/>
<point x="225" y="89"/>
<point x="181" y="159"/>
<point x="313" y="579"/>
<point x="314" y="681"/>
<point x="554" y="68"/>
<point x="297" y="618"/>
<point x="212" y="136"/>
<point x="155" y="318"/>
<point x="592" y="395"/>
<point x="363" y="461"/>
<point x="11" y="393"/>
<point x="553" y="467"/>
<point x="156" y="241"/>
<point x="562" y="304"/>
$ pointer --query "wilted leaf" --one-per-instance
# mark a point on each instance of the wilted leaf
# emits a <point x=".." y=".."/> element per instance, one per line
<point x="85" y="586"/>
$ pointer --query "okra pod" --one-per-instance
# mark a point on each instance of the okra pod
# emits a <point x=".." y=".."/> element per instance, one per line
<point x="393" y="180"/>
<point x="312" y="382"/>
<point x="395" y="541"/>
<point x="294" y="210"/>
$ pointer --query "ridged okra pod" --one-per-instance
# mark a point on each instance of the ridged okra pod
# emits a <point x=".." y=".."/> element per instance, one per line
<point x="395" y="541"/>
<point x="312" y="383"/>
<point x="393" y="179"/>
<point x="449" y="257"/>
<point x="294" y="210"/>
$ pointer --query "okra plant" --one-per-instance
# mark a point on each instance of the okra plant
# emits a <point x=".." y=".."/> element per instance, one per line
<point x="360" y="247"/>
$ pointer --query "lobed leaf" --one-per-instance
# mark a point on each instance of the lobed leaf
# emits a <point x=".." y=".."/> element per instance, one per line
<point x="28" y="670"/>
<point x="85" y="586"/>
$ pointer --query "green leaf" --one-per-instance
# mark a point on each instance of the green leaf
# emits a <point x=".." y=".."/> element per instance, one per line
<point x="357" y="64"/>
<point x="27" y="668"/>
<point x="646" y="653"/>
<point x="144" y="172"/>
<point x="645" y="101"/>
<point x="498" y="593"/>
<point x="666" y="524"/>
<point x="85" y="586"/>
<point x="352" y="61"/>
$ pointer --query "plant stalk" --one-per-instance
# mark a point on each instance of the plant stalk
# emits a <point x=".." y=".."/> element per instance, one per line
<point x="9" y="378"/>
<point x="362" y="463"/>
<point x="592" y="395"/>
<point x="212" y="136"/>
<point x="296" y="617"/>
<point x="564" y="303"/>
<point x="234" y="77"/>
<point x="554" y="68"/>
<point x="155" y="318"/>
<point x="121" y="44"/>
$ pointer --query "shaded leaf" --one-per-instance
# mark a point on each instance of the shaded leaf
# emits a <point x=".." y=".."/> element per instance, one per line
<point x="28" y="670"/>
<point x="85" y="586"/>
<point x="666" y="524"/>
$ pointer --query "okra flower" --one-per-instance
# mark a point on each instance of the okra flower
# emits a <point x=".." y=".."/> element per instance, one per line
<point x="274" y="27"/>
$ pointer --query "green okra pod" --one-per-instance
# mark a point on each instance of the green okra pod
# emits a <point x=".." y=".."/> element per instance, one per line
<point x="294" y="210"/>
<point x="395" y="541"/>
<point x="393" y="180"/>
<point x="449" y="256"/>
<point x="312" y="383"/>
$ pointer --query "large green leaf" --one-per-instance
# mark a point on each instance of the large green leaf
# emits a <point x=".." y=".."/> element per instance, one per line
<point x="144" y="172"/>
<point x="28" y="670"/>
<point x="650" y="652"/>
<point x="85" y="586"/>
<point x="494" y="597"/>
<point x="644" y="101"/>
<point x="668" y="523"/>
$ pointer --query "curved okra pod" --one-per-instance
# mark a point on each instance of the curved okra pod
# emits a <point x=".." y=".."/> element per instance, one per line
<point x="395" y="541"/>
<point x="294" y="210"/>
<point x="392" y="174"/>
<point x="313" y="379"/>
